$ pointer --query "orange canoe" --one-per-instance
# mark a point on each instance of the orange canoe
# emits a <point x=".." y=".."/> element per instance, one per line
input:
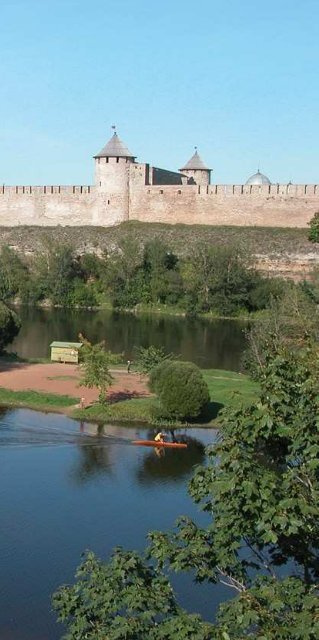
<point x="153" y="443"/>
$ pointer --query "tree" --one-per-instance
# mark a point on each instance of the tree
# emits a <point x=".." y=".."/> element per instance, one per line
<point x="13" y="275"/>
<point x="219" y="279"/>
<point x="182" y="391"/>
<point x="313" y="235"/>
<point x="147" y="358"/>
<point x="291" y="321"/>
<point x="95" y="363"/>
<point x="161" y="274"/>
<point x="260" y="489"/>
<point x="9" y="325"/>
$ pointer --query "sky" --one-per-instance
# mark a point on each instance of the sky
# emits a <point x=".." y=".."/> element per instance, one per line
<point x="236" y="78"/>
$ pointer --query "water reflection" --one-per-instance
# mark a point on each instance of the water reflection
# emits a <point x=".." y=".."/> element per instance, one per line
<point x="170" y="464"/>
<point x="216" y="343"/>
<point x="93" y="461"/>
<point x="84" y="487"/>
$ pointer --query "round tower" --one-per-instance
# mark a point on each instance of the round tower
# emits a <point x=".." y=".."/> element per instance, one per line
<point x="196" y="170"/>
<point x="112" y="173"/>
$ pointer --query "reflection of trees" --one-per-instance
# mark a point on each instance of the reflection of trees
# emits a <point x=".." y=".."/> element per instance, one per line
<point x="174" y="464"/>
<point x="216" y="343"/>
<point x="93" y="461"/>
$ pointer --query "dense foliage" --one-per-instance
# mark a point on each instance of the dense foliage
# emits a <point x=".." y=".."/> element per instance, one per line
<point x="148" y="358"/>
<point x="291" y="321"/>
<point x="260" y="488"/>
<point x="181" y="389"/>
<point x="221" y="280"/>
<point x="9" y="325"/>
<point x="313" y="235"/>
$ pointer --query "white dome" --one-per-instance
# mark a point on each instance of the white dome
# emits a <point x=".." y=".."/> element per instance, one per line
<point x="258" y="178"/>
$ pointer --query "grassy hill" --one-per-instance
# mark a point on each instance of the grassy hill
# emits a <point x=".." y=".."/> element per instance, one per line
<point x="279" y="250"/>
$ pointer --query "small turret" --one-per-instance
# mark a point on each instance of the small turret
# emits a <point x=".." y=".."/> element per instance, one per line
<point x="196" y="170"/>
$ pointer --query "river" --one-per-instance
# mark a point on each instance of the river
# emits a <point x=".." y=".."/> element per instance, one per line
<point x="209" y="343"/>
<point x="68" y="486"/>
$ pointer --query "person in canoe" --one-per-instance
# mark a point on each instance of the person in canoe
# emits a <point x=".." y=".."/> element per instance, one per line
<point x="160" y="437"/>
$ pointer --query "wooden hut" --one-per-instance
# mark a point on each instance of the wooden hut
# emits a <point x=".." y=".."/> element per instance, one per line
<point x="65" y="351"/>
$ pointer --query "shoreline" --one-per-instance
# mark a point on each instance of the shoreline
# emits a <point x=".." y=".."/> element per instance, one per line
<point x="140" y="311"/>
<point x="55" y="389"/>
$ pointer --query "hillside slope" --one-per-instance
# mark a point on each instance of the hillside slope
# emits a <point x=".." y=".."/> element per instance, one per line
<point x="278" y="251"/>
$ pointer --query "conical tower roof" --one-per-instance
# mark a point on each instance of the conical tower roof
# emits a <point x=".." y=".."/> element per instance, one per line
<point x="194" y="163"/>
<point x="114" y="148"/>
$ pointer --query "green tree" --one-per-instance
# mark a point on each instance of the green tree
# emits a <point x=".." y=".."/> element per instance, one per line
<point x="13" y="275"/>
<point x="9" y="325"/>
<point x="95" y="365"/>
<point x="146" y="358"/>
<point x="161" y="274"/>
<point x="291" y="321"/>
<point x="218" y="279"/>
<point x="123" y="277"/>
<point x="260" y="490"/>
<point x="182" y="391"/>
<point x="313" y="235"/>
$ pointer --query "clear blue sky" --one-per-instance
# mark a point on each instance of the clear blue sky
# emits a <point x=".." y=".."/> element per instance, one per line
<point x="239" y="79"/>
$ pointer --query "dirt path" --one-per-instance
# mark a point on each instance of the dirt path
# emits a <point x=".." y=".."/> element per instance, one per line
<point x="64" y="379"/>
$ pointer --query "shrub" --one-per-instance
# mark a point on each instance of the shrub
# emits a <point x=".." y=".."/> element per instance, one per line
<point x="183" y="392"/>
<point x="157" y="376"/>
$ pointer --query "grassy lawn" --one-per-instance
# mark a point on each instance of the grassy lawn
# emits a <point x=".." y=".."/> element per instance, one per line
<point x="36" y="400"/>
<point x="226" y="388"/>
<point x="126" y="411"/>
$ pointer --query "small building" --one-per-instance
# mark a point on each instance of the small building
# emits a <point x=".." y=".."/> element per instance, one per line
<point x="65" y="351"/>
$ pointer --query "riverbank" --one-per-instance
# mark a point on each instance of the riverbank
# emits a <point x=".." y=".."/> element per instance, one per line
<point x="54" y="387"/>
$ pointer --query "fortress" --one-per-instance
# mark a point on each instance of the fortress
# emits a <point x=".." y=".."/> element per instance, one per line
<point x="128" y="190"/>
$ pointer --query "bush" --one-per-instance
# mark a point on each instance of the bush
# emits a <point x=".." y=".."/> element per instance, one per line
<point x="182" y="391"/>
<point x="157" y="376"/>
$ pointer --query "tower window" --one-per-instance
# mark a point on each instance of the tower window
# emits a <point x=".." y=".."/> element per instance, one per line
<point x="117" y="159"/>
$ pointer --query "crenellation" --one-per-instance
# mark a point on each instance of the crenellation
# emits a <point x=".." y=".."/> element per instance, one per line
<point x="128" y="190"/>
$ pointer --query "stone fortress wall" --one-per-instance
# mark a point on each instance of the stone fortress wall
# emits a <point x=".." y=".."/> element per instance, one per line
<point x="128" y="190"/>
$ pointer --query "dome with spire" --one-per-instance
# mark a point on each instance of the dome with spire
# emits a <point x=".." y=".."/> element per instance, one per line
<point x="258" y="179"/>
<point x="195" y="163"/>
<point x="115" y="148"/>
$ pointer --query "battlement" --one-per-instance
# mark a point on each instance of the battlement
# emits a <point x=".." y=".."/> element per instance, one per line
<point x="45" y="190"/>
<point x="290" y="190"/>
<point x="229" y="190"/>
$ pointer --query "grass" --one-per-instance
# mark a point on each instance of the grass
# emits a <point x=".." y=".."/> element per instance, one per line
<point x="36" y="400"/>
<point x="226" y="388"/>
<point x="255" y="240"/>
<point x="127" y="411"/>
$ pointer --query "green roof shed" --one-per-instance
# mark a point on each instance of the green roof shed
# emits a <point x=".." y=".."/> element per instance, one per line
<point x="65" y="351"/>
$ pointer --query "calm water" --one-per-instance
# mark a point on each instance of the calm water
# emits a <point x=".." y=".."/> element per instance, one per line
<point x="66" y="486"/>
<point x="218" y="343"/>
